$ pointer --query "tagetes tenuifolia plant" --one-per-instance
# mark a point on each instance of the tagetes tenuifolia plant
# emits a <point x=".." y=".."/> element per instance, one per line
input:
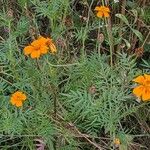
<point x="142" y="91"/>
<point x="39" y="47"/>
<point x="18" y="98"/>
<point x="102" y="11"/>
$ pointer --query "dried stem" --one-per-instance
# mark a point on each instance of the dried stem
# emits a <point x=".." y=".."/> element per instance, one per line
<point x="110" y="36"/>
<point x="37" y="64"/>
<point x="134" y="41"/>
<point x="76" y="130"/>
<point x="123" y="4"/>
<point x="146" y="39"/>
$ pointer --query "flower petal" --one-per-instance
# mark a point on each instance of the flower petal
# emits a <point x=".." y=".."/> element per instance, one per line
<point x="139" y="79"/>
<point x="97" y="8"/>
<point x="138" y="91"/>
<point x="107" y="9"/>
<point x="35" y="54"/>
<point x="44" y="49"/>
<point x="147" y="77"/>
<point x="35" y="43"/>
<point x="19" y="103"/>
<point x="42" y="40"/>
<point x="23" y="97"/>
<point x="52" y="48"/>
<point x="28" y="50"/>
<point x="146" y="95"/>
<point x="100" y="14"/>
<point x="106" y="14"/>
<point x="13" y="101"/>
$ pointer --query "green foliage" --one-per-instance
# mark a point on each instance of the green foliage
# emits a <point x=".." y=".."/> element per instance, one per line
<point x="74" y="98"/>
<point x="51" y="9"/>
<point x="106" y="107"/>
<point x="22" y="27"/>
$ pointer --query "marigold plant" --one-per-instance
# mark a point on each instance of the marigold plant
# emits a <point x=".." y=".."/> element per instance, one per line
<point x="102" y="11"/>
<point x="39" y="47"/>
<point x="78" y="98"/>
<point x="142" y="91"/>
<point x="18" y="98"/>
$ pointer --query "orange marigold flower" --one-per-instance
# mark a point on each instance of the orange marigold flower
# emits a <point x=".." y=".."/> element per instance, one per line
<point x="117" y="142"/>
<point x="51" y="46"/>
<point x="142" y="91"/>
<point x="17" y="98"/>
<point x="102" y="11"/>
<point x="39" y="47"/>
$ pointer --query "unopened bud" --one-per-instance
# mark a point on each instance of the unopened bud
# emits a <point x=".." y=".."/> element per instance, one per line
<point x="100" y="37"/>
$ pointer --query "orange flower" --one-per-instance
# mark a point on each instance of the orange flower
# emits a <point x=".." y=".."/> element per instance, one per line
<point x="142" y="91"/>
<point x="102" y="11"/>
<point x="51" y="46"/>
<point x="17" y="98"/>
<point x="39" y="47"/>
<point x="117" y="142"/>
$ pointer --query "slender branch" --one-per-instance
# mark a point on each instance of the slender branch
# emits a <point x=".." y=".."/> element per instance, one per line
<point x="145" y="39"/>
<point x="85" y="136"/>
<point x="123" y="4"/>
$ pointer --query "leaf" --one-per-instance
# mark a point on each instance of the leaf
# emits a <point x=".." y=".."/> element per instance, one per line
<point x="138" y="34"/>
<point x="123" y="18"/>
<point x="22" y="3"/>
<point x="135" y="13"/>
<point x="127" y="43"/>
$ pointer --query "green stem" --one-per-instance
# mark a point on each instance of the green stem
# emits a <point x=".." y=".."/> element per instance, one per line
<point x="86" y="30"/>
<point x="99" y="42"/>
<point x="110" y="36"/>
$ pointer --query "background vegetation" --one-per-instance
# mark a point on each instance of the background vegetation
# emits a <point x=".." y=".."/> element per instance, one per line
<point x="81" y="97"/>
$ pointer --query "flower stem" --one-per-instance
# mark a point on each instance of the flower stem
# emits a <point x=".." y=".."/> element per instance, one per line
<point x="38" y="65"/>
<point x="110" y="36"/>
